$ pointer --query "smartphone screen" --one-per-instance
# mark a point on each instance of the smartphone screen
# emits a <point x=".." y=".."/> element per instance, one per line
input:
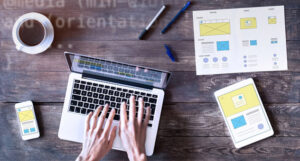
<point x="244" y="113"/>
<point x="27" y="120"/>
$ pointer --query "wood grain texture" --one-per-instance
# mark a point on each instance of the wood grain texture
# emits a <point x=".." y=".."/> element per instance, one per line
<point x="183" y="135"/>
<point x="184" y="87"/>
<point x="180" y="119"/>
<point x="146" y="53"/>
<point x="167" y="148"/>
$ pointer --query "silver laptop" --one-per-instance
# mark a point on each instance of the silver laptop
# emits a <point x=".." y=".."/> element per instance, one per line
<point x="94" y="82"/>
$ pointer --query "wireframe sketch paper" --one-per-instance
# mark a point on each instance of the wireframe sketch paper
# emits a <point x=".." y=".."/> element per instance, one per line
<point x="240" y="40"/>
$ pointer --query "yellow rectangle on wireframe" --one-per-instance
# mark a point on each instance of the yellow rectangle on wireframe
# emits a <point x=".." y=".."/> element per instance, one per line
<point x="211" y="29"/>
<point x="248" y="23"/>
<point x="272" y="20"/>
<point x="26" y="115"/>
<point x="239" y="100"/>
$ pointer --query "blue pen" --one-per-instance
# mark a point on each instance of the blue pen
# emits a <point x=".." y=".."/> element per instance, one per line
<point x="176" y="17"/>
<point x="169" y="53"/>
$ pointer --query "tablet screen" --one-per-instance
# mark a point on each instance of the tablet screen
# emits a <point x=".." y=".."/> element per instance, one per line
<point x="244" y="113"/>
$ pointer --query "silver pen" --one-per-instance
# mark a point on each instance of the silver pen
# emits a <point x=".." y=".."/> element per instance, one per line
<point x="152" y="21"/>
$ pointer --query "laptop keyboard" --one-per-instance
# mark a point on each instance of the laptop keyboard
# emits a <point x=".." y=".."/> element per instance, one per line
<point x="87" y="96"/>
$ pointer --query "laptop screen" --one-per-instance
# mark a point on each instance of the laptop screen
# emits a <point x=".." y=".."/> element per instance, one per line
<point x="116" y="70"/>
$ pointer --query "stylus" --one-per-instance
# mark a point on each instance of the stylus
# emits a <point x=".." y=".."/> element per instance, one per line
<point x="152" y="21"/>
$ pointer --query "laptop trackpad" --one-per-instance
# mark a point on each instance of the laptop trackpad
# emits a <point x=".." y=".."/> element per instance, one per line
<point x="117" y="143"/>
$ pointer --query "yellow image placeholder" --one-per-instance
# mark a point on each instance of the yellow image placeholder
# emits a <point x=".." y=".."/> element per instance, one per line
<point x="212" y="29"/>
<point x="248" y="23"/>
<point x="26" y="115"/>
<point x="247" y="97"/>
<point x="272" y="20"/>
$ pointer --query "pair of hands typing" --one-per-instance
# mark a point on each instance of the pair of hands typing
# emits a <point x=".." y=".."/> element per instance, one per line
<point x="98" y="141"/>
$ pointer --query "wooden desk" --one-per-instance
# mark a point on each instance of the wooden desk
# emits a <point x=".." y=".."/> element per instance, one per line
<point x="191" y="126"/>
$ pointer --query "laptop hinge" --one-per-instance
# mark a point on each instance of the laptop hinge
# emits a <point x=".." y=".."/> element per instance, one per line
<point x="117" y="81"/>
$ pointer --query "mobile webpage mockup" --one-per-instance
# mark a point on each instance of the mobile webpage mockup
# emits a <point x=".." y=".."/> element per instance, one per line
<point x="244" y="113"/>
<point x="27" y="120"/>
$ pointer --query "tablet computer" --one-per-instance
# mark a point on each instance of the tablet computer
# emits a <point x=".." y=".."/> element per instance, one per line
<point x="244" y="113"/>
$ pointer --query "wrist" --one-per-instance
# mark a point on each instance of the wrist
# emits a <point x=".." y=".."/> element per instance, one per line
<point x="79" y="158"/>
<point x="85" y="158"/>
<point x="142" y="157"/>
<point x="137" y="156"/>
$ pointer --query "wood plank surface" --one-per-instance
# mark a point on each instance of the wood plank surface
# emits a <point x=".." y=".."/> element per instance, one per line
<point x="146" y="53"/>
<point x="184" y="87"/>
<point x="180" y="119"/>
<point x="167" y="148"/>
<point x="183" y="134"/>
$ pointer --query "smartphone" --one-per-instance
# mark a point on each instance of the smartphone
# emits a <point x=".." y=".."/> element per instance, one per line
<point x="27" y="120"/>
<point x="244" y="113"/>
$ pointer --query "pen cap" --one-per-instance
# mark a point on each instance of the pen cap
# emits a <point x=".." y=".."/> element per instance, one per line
<point x="186" y="5"/>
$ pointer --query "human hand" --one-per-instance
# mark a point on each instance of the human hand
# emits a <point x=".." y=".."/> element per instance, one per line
<point x="133" y="131"/>
<point x="97" y="141"/>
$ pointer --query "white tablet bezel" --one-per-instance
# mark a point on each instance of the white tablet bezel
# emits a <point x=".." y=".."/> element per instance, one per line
<point x="233" y="88"/>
